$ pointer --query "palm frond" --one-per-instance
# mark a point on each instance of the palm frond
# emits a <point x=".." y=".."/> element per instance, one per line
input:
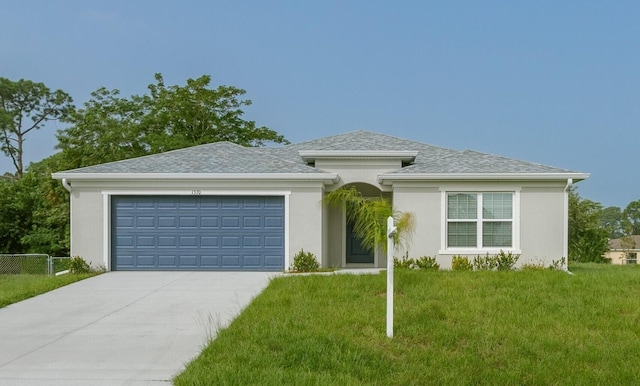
<point x="369" y="217"/>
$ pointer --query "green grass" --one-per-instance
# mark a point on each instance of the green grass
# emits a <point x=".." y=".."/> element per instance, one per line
<point x="462" y="328"/>
<point x="14" y="288"/>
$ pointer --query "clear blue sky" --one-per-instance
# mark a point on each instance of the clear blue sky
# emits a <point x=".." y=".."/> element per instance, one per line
<point x="553" y="82"/>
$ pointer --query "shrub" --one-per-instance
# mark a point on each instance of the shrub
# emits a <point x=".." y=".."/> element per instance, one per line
<point x="533" y="267"/>
<point x="506" y="261"/>
<point x="485" y="263"/>
<point x="404" y="262"/>
<point x="558" y="265"/>
<point x="427" y="262"/>
<point x="305" y="262"/>
<point x="79" y="265"/>
<point x="461" y="263"/>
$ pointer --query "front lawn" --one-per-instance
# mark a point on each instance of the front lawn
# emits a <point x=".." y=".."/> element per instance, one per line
<point x="523" y="327"/>
<point x="14" y="288"/>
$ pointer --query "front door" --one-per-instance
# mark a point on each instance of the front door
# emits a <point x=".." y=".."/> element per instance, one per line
<point x="356" y="253"/>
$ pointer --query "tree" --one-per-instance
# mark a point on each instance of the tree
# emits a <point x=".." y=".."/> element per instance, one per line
<point x="588" y="240"/>
<point x="369" y="217"/>
<point x="631" y="217"/>
<point x="111" y="128"/>
<point x="611" y="220"/>
<point x="26" y="106"/>
<point x="34" y="211"/>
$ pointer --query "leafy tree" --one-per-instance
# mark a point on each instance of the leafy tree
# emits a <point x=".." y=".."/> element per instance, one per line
<point x="111" y="128"/>
<point x="34" y="212"/>
<point x="631" y="217"/>
<point x="26" y="106"/>
<point x="588" y="240"/>
<point x="369" y="217"/>
<point x="50" y="216"/>
<point x="15" y="218"/>
<point x="611" y="220"/>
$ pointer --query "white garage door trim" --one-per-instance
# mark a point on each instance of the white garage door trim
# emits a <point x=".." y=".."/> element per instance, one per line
<point x="106" y="211"/>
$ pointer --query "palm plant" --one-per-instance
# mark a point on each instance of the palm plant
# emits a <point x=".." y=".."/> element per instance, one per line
<point x="369" y="217"/>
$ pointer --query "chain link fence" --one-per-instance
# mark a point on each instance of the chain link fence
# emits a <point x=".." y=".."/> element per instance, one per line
<point x="32" y="264"/>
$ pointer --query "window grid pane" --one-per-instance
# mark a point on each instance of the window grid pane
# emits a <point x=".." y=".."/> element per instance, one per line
<point x="496" y="234"/>
<point x="462" y="206"/>
<point x="462" y="234"/>
<point x="497" y="206"/>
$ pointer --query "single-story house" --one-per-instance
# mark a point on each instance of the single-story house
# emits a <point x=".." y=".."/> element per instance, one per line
<point x="624" y="250"/>
<point x="221" y="206"/>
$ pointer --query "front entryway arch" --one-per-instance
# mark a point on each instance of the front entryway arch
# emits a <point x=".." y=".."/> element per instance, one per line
<point x="350" y="249"/>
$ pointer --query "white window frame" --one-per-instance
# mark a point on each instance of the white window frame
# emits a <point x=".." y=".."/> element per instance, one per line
<point x="479" y="249"/>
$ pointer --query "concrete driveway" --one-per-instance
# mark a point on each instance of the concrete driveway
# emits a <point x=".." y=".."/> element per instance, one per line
<point x="120" y="328"/>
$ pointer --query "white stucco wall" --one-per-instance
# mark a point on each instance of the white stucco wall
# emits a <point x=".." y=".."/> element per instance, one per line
<point x="90" y="212"/>
<point x="358" y="170"/>
<point x="540" y="228"/>
<point x="320" y="230"/>
<point x="542" y="223"/>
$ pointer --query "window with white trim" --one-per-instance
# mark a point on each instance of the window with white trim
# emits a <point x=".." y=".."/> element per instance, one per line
<point x="480" y="220"/>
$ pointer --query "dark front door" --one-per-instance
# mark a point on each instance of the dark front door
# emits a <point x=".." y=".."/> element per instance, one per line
<point x="356" y="253"/>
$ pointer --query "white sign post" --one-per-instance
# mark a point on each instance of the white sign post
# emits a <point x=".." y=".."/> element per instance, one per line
<point x="391" y="232"/>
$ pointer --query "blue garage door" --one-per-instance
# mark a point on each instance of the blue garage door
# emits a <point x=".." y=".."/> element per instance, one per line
<point x="197" y="233"/>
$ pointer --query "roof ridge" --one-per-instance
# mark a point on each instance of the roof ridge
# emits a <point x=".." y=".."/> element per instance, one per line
<point x="268" y="154"/>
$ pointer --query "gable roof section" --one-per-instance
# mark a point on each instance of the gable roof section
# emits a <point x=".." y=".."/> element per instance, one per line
<point x="228" y="160"/>
<point x="360" y="141"/>
<point x="219" y="159"/>
<point x="616" y="244"/>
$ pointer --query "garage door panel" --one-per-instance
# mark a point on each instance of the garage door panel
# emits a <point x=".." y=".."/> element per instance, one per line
<point x="273" y="261"/>
<point x="209" y="241"/>
<point x="253" y="261"/>
<point x="145" y="222"/>
<point x="231" y="261"/>
<point x="188" y="221"/>
<point x="230" y="242"/>
<point x="167" y="260"/>
<point x="146" y="260"/>
<point x="209" y="261"/>
<point x="168" y="222"/>
<point x="209" y="222"/>
<point x="188" y="261"/>
<point x="249" y="242"/>
<point x="167" y="241"/>
<point x="232" y="222"/>
<point x="125" y="221"/>
<point x="276" y="222"/>
<point x="273" y="242"/>
<point x="145" y="241"/>
<point x="251" y="222"/>
<point x="197" y="232"/>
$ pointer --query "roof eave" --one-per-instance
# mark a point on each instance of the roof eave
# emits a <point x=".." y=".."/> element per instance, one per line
<point x="327" y="178"/>
<point x="389" y="178"/>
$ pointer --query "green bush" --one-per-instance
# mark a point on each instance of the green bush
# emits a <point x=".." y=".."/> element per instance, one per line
<point x="485" y="263"/>
<point x="533" y="267"/>
<point x="305" y="262"/>
<point x="79" y="265"/>
<point x="461" y="263"/>
<point x="506" y="261"/>
<point x="404" y="262"/>
<point x="427" y="262"/>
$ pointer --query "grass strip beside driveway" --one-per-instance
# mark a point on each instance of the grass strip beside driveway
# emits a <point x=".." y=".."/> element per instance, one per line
<point x="14" y="288"/>
<point x="523" y="327"/>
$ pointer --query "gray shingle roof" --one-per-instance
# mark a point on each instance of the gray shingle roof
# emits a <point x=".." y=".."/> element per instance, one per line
<point x="469" y="161"/>
<point x="219" y="157"/>
<point x="225" y="157"/>
<point x="616" y="244"/>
